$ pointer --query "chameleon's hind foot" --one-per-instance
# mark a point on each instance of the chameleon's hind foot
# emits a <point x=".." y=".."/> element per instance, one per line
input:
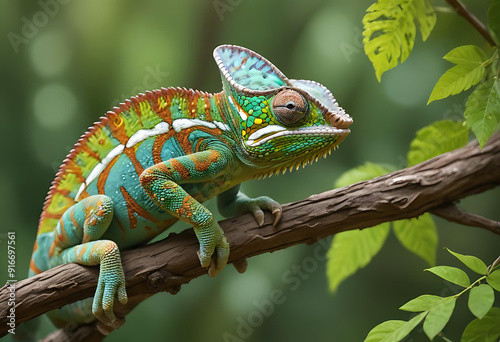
<point x="111" y="283"/>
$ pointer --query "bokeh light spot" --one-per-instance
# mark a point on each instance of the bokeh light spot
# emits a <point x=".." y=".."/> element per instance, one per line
<point x="54" y="106"/>
<point x="50" y="53"/>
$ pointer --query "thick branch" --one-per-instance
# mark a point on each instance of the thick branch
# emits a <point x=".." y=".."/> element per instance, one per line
<point x="166" y="265"/>
<point x="472" y="19"/>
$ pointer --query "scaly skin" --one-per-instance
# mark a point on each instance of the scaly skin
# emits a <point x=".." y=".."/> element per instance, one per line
<point x="157" y="157"/>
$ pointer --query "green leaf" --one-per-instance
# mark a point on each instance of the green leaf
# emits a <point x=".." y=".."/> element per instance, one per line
<point x="393" y="331"/>
<point x="466" y="54"/>
<point x="494" y="279"/>
<point x="438" y="317"/>
<point x="452" y="274"/>
<point x="482" y="110"/>
<point x="481" y="300"/>
<point x="457" y="79"/>
<point x="472" y="262"/>
<point x="389" y="30"/>
<point x="361" y="173"/>
<point x="486" y="329"/>
<point x="422" y="303"/>
<point x="494" y="20"/>
<point x="353" y="250"/>
<point x="435" y="139"/>
<point x="418" y="235"/>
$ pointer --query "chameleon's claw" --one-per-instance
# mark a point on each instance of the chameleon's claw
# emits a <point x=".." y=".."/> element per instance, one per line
<point x="277" y="215"/>
<point x="259" y="216"/>
<point x="255" y="206"/>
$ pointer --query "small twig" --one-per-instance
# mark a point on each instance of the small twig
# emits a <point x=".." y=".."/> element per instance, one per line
<point x="453" y="213"/>
<point x="472" y="19"/>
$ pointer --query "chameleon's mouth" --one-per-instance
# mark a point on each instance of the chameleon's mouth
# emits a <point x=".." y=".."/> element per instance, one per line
<point x="274" y="131"/>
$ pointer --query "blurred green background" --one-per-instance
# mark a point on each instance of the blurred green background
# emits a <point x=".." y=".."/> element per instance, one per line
<point x="83" y="57"/>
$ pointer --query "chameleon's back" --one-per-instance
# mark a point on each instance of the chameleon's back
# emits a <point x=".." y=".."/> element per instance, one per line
<point x="108" y="159"/>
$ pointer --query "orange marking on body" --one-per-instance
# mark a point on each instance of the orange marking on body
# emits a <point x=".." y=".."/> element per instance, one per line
<point x="160" y="140"/>
<point x="185" y="210"/>
<point x="181" y="169"/>
<point x="74" y="168"/>
<point x="203" y="164"/>
<point x="93" y="154"/>
<point x="103" y="177"/>
<point x="34" y="268"/>
<point x="63" y="236"/>
<point x="208" y="114"/>
<point x="130" y="153"/>
<point x="73" y="220"/>
<point x="192" y="103"/>
<point x="83" y="195"/>
<point x="115" y="123"/>
<point x="52" y="248"/>
<point x="133" y="207"/>
<point x="243" y="61"/>
<point x="183" y="139"/>
<point x="83" y="249"/>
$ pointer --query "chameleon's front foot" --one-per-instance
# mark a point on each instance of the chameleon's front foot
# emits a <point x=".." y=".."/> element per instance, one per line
<point x="214" y="249"/>
<point x="111" y="282"/>
<point x="256" y="206"/>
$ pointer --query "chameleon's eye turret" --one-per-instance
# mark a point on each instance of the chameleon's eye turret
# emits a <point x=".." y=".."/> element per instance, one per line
<point x="289" y="107"/>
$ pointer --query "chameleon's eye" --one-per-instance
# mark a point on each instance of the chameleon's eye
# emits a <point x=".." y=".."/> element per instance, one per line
<point x="289" y="107"/>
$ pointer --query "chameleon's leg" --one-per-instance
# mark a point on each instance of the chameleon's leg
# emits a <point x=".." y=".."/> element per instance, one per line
<point x="77" y="240"/>
<point x="233" y="203"/>
<point x="161" y="182"/>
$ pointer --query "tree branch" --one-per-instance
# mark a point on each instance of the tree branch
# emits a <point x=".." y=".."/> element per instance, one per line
<point x="472" y="19"/>
<point x="453" y="213"/>
<point x="168" y="264"/>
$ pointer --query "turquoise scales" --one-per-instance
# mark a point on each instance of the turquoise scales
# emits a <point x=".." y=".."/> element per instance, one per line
<point x="158" y="156"/>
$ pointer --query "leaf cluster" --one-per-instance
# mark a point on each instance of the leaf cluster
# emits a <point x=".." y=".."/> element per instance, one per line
<point x="389" y="35"/>
<point x="436" y="311"/>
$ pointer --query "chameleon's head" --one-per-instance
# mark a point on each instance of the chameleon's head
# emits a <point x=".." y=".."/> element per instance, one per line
<point x="282" y="123"/>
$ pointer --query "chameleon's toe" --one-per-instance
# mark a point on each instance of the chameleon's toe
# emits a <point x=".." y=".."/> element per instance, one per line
<point x="214" y="258"/>
<point x="256" y="206"/>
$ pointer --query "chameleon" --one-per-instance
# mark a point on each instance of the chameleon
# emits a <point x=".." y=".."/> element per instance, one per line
<point x="156" y="157"/>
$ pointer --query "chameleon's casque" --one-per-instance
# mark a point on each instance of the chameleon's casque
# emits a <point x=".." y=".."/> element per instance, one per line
<point x="155" y="158"/>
